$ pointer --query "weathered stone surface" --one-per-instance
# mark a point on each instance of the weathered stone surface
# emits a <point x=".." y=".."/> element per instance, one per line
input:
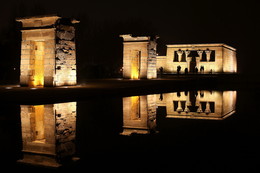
<point x="139" y="57"/>
<point x="65" y="35"/>
<point x="52" y="46"/>
<point x="224" y="58"/>
<point x="57" y="122"/>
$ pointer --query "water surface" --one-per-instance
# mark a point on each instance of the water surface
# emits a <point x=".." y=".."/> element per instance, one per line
<point x="198" y="130"/>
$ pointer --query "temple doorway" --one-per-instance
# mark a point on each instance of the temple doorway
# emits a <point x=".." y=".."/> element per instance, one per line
<point x="135" y="64"/>
<point x="36" y="72"/>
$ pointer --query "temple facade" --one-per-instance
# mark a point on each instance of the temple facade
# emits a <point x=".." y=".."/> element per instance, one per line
<point x="198" y="58"/>
<point x="48" y="51"/>
<point x="139" y="57"/>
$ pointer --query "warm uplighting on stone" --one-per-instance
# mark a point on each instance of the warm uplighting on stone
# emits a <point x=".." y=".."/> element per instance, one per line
<point x="48" y="133"/>
<point x="135" y="65"/>
<point x="211" y="105"/>
<point x="48" y="51"/>
<point x="139" y="114"/>
<point x="139" y="57"/>
<point x="198" y="58"/>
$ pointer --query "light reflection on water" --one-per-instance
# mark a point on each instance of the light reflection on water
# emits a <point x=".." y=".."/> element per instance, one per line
<point x="49" y="131"/>
<point x="139" y="112"/>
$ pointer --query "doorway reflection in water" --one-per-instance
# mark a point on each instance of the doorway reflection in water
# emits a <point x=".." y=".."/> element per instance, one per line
<point x="48" y="133"/>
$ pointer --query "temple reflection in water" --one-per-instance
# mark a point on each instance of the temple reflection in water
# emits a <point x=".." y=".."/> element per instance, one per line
<point x="139" y="112"/>
<point x="48" y="133"/>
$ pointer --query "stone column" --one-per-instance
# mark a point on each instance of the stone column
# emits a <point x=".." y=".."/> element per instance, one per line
<point x="200" y="52"/>
<point x="179" y="52"/>
<point x="179" y="108"/>
<point x="187" y="110"/>
<point x="207" y="110"/>
<point x="188" y="59"/>
<point x="199" y="110"/>
<point x="188" y="102"/>
<point x="198" y="62"/>
<point x="208" y="52"/>
<point x="187" y="52"/>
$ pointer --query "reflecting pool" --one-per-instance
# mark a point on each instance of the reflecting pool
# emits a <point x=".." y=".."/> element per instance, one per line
<point x="48" y="133"/>
<point x="194" y="131"/>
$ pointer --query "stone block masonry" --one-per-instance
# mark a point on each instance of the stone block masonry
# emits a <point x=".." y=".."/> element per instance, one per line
<point x="48" y="133"/>
<point x="48" y="51"/>
<point x="139" y="57"/>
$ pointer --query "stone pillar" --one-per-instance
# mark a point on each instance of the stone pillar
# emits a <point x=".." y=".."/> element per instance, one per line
<point x="187" y="110"/>
<point x="179" y="52"/>
<point x="200" y="52"/>
<point x="199" y="110"/>
<point x="187" y="52"/>
<point x="188" y="59"/>
<point x="208" y="52"/>
<point x="198" y="62"/>
<point x="179" y="108"/>
<point x="207" y="110"/>
<point x="188" y="102"/>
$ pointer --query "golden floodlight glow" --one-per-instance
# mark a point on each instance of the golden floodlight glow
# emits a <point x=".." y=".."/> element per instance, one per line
<point x="135" y="65"/>
<point x="134" y="72"/>
<point x="38" y="66"/>
<point x="139" y="57"/>
<point x="135" y="108"/>
<point x="48" y="133"/>
<point x="198" y="58"/>
<point x="208" y="105"/>
<point x="48" y="51"/>
<point x="38" y="123"/>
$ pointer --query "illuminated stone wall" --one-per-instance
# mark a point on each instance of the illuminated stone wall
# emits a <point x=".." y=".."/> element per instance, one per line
<point x="215" y="105"/>
<point x="139" y="114"/>
<point x="139" y="57"/>
<point x="160" y="62"/>
<point x="48" y="54"/>
<point x="207" y="58"/>
<point x="229" y="61"/>
<point x="48" y="133"/>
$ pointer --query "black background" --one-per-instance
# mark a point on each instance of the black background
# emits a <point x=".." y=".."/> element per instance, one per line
<point x="99" y="47"/>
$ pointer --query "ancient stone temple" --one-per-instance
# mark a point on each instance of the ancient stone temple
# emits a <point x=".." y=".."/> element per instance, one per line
<point x="198" y="58"/>
<point x="48" y="51"/>
<point x="48" y="133"/>
<point x="139" y="57"/>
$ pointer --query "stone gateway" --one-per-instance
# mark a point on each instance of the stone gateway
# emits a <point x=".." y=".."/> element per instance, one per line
<point x="48" y="51"/>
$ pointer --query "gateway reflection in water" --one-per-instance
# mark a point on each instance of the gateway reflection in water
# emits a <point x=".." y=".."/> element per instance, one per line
<point x="139" y="112"/>
<point x="48" y="133"/>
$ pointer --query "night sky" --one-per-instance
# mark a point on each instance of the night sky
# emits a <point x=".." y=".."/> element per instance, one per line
<point x="99" y="48"/>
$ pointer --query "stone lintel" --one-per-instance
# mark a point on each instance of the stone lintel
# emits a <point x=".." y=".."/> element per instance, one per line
<point x="38" y="21"/>
<point x="134" y="42"/>
<point x="39" y="29"/>
<point x="197" y="46"/>
<point x="129" y="38"/>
